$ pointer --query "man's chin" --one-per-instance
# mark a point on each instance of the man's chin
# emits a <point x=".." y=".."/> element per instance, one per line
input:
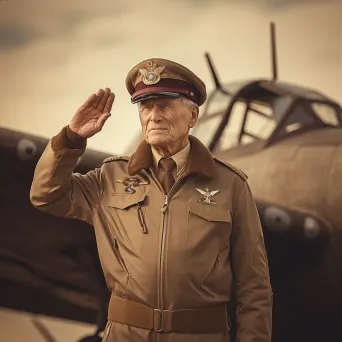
<point x="158" y="139"/>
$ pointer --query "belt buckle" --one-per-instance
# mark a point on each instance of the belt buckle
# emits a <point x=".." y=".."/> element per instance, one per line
<point x="162" y="320"/>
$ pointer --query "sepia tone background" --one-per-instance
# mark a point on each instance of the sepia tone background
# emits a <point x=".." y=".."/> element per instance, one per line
<point x="54" y="54"/>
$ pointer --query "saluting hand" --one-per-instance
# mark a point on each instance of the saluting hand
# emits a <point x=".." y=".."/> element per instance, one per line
<point x="91" y="116"/>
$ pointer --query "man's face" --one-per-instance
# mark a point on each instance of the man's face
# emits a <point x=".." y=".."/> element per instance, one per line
<point x="165" y="121"/>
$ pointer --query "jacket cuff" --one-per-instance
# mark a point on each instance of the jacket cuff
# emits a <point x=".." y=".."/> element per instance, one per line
<point x="67" y="139"/>
<point x="74" y="140"/>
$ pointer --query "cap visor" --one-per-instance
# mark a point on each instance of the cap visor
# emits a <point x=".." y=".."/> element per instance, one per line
<point x="147" y="96"/>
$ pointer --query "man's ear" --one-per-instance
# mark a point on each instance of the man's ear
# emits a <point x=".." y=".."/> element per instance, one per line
<point x="194" y="116"/>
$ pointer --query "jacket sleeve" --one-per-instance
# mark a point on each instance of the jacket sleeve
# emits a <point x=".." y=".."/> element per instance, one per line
<point x="250" y="272"/>
<point x="56" y="189"/>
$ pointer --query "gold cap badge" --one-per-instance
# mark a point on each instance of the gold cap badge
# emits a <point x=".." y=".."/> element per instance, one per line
<point x="151" y="75"/>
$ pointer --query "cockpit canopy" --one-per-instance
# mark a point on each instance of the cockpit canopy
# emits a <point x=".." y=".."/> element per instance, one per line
<point x="241" y="113"/>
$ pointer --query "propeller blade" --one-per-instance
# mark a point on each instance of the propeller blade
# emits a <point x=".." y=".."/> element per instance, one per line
<point x="213" y="71"/>
<point x="274" y="52"/>
<point x="43" y="330"/>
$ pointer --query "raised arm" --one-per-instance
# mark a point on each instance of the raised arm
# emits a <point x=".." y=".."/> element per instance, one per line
<point x="55" y="188"/>
<point x="251" y="273"/>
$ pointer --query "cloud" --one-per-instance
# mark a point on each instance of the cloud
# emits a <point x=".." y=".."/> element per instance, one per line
<point x="64" y="24"/>
<point x="76" y="18"/>
<point x="108" y="40"/>
<point x="262" y="4"/>
<point x="279" y="4"/>
<point x="13" y="36"/>
<point x="284" y="3"/>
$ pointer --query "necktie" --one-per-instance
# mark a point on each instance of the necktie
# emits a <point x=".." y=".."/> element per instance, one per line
<point x="167" y="178"/>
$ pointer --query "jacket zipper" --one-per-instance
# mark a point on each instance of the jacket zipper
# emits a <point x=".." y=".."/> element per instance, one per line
<point x="162" y="257"/>
<point x="116" y="249"/>
<point x="162" y="251"/>
<point x="159" y="296"/>
<point x="212" y="271"/>
<point x="118" y="254"/>
<point x="141" y="219"/>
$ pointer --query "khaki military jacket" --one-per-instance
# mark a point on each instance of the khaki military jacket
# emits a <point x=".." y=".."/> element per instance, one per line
<point x="172" y="252"/>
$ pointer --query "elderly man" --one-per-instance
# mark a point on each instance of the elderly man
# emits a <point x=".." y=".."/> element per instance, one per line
<point x="176" y="228"/>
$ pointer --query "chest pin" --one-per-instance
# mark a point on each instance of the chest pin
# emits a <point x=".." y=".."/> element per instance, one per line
<point x="131" y="183"/>
<point x="207" y="195"/>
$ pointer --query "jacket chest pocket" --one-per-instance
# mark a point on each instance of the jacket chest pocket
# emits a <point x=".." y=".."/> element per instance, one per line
<point x="208" y="227"/>
<point x="207" y="239"/>
<point x="128" y="213"/>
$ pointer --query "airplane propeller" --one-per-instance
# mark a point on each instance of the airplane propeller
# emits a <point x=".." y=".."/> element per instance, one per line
<point x="274" y="51"/>
<point x="43" y="330"/>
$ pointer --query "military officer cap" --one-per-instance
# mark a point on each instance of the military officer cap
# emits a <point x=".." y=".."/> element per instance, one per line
<point x="158" y="77"/>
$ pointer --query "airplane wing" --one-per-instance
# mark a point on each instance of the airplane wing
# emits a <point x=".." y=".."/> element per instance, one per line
<point x="48" y="265"/>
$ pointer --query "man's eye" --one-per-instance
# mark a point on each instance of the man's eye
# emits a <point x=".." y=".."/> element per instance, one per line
<point x="164" y="106"/>
<point x="145" y="107"/>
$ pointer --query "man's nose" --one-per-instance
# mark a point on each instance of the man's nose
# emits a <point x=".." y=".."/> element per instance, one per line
<point x="156" y="114"/>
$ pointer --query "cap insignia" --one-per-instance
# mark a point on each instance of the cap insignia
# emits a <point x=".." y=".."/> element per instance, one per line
<point x="151" y="75"/>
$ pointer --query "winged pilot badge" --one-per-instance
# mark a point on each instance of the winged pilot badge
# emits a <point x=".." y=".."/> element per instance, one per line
<point x="131" y="183"/>
<point x="151" y="75"/>
<point x="207" y="195"/>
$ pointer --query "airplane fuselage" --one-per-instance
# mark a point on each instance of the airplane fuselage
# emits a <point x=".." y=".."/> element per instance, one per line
<point x="303" y="172"/>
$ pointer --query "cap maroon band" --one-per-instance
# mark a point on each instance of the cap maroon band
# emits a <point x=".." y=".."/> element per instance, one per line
<point x="167" y="85"/>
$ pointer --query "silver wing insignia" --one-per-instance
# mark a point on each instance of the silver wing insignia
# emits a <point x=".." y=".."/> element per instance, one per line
<point x="201" y="191"/>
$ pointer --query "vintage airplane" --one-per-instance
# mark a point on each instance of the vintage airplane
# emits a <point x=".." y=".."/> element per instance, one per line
<point x="289" y="143"/>
<point x="288" y="140"/>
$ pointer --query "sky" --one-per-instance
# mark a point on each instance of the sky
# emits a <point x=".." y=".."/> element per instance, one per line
<point x="54" y="54"/>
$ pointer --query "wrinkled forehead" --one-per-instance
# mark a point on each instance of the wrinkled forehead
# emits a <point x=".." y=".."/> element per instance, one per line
<point x="161" y="101"/>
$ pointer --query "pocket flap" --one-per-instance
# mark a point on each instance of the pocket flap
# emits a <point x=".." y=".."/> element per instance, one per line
<point x="123" y="200"/>
<point x="213" y="213"/>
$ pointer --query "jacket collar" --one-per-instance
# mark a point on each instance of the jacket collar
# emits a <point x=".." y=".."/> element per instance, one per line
<point x="201" y="160"/>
